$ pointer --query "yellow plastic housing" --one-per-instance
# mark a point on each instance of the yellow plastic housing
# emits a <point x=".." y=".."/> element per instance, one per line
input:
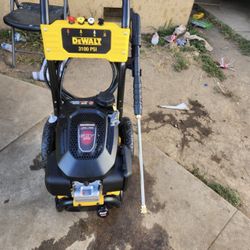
<point x="108" y="41"/>
<point x="89" y="204"/>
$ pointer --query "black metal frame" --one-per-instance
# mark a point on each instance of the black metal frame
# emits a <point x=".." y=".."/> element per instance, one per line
<point x="52" y="65"/>
<point x="133" y="63"/>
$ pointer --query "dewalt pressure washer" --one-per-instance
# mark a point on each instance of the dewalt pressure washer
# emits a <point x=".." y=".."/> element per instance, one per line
<point x="87" y="144"/>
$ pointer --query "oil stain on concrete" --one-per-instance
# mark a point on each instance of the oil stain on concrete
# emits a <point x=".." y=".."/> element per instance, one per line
<point x="194" y="125"/>
<point x="38" y="163"/>
<point x="122" y="228"/>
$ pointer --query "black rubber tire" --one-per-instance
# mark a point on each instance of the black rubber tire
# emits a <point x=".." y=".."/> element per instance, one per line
<point x="127" y="133"/>
<point x="48" y="140"/>
<point x="59" y="206"/>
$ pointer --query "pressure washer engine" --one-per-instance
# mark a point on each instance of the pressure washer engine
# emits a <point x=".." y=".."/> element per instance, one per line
<point x="87" y="144"/>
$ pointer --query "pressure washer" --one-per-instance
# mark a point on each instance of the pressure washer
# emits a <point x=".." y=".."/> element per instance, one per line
<point x="87" y="143"/>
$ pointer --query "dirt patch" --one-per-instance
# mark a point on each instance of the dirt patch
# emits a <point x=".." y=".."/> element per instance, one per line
<point x="38" y="163"/>
<point x="194" y="125"/>
<point x="216" y="158"/>
<point x="6" y="201"/>
<point x="122" y="227"/>
<point x="221" y="90"/>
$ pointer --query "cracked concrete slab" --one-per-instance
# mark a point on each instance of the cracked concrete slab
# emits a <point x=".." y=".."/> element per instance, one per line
<point x="22" y="106"/>
<point x="28" y="215"/>
<point x="183" y="212"/>
<point x="193" y="214"/>
<point x="236" y="235"/>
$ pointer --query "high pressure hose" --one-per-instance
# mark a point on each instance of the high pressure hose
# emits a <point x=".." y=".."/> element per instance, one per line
<point x="61" y="70"/>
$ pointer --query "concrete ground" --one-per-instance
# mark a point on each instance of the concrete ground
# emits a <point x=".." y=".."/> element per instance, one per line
<point x="183" y="212"/>
<point x="20" y="109"/>
<point x="235" y="14"/>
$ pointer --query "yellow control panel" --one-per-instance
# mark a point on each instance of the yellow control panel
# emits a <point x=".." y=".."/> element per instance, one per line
<point x="63" y="40"/>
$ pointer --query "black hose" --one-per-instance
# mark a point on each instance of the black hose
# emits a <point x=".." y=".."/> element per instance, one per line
<point x="66" y="96"/>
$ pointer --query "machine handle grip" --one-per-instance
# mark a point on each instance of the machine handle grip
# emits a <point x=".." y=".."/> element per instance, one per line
<point x="136" y="44"/>
<point x="136" y="30"/>
<point x="137" y="94"/>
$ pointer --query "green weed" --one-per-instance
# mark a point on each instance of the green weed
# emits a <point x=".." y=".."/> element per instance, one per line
<point x="5" y="34"/>
<point x="210" y="66"/>
<point x="227" y="193"/>
<point x="180" y="63"/>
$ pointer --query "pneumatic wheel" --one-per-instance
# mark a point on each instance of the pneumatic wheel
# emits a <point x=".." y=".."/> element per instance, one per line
<point x="59" y="206"/>
<point x="48" y="141"/>
<point x="127" y="134"/>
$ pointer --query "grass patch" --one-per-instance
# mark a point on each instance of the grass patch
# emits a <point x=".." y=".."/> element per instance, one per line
<point x="208" y="64"/>
<point x="194" y="31"/>
<point x="5" y="34"/>
<point x="162" y="32"/>
<point x="180" y="63"/>
<point x="165" y="31"/>
<point x="147" y="37"/>
<point x="227" y="193"/>
<point x="199" y="45"/>
<point x="244" y="47"/>
<point x="33" y="39"/>
<point x="162" y="42"/>
<point x="197" y="174"/>
<point x="212" y="69"/>
<point x="187" y="49"/>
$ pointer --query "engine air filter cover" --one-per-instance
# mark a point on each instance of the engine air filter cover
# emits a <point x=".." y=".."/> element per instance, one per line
<point x="84" y="148"/>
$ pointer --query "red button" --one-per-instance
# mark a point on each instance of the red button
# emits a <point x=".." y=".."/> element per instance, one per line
<point x="71" y="19"/>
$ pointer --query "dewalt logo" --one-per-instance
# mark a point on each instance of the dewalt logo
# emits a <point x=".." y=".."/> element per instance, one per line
<point x="89" y="41"/>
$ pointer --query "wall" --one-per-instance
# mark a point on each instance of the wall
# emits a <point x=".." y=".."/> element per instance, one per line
<point x="154" y="13"/>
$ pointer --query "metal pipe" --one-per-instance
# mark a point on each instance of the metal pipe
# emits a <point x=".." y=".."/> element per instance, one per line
<point x="44" y="11"/>
<point x="17" y="3"/>
<point x="65" y="9"/>
<point x="29" y="52"/>
<point x="55" y="87"/>
<point x="121" y="87"/>
<point x="13" y="47"/>
<point x="11" y="5"/>
<point x="54" y="81"/>
<point x="125" y="13"/>
<point x="143" y="201"/>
